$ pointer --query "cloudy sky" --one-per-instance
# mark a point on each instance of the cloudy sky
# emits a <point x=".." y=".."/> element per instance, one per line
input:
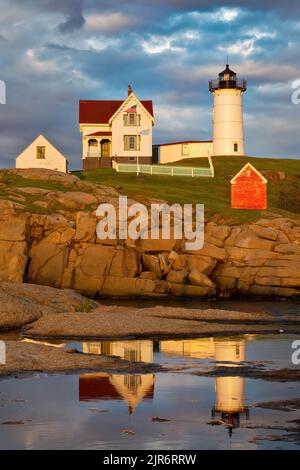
<point x="55" y="52"/>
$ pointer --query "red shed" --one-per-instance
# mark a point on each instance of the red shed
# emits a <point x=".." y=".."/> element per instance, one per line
<point x="249" y="189"/>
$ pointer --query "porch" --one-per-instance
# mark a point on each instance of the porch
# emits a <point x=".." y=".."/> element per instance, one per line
<point x="98" y="147"/>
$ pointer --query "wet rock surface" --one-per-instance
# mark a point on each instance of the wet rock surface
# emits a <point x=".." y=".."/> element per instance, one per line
<point x="156" y="322"/>
<point x="27" y="357"/>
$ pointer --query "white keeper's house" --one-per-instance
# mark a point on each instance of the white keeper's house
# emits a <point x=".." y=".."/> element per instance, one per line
<point x="119" y="130"/>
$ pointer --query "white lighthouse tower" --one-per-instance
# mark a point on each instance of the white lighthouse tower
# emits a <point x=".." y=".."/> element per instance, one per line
<point x="228" y="129"/>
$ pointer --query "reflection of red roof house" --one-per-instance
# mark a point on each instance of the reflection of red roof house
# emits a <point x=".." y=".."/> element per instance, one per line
<point x="249" y="189"/>
<point x="97" y="387"/>
<point x="100" y="111"/>
<point x="100" y="387"/>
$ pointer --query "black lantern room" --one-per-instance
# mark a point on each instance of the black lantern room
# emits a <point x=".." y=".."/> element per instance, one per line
<point x="227" y="79"/>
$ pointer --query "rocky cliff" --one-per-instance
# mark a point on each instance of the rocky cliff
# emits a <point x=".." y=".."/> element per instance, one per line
<point x="60" y="248"/>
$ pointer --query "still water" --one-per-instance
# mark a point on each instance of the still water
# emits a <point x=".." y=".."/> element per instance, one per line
<point x="174" y="410"/>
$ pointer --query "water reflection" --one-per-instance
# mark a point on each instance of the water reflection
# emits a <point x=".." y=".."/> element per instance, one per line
<point x="229" y="391"/>
<point x="229" y="406"/>
<point x="130" y="388"/>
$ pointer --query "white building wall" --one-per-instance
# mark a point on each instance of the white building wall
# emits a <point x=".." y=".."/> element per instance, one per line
<point x="144" y="130"/>
<point x="54" y="159"/>
<point x="228" y="126"/>
<point x="175" y="152"/>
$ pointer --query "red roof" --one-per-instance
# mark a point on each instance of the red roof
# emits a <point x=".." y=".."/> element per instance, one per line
<point x="95" y="387"/>
<point x="100" y="111"/>
<point x="99" y="133"/>
<point x="186" y="142"/>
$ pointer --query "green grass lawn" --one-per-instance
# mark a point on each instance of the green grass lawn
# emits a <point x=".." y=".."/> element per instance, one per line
<point x="214" y="193"/>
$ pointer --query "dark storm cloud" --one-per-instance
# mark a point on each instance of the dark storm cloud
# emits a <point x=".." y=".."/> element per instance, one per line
<point x="71" y="9"/>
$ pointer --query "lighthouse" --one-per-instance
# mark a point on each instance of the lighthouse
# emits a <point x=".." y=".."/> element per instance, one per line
<point x="230" y="394"/>
<point x="228" y="128"/>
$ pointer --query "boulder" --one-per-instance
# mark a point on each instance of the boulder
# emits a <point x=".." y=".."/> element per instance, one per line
<point x="212" y="251"/>
<point x="95" y="260"/>
<point x="265" y="232"/>
<point x="204" y="264"/>
<point x="220" y="232"/>
<point x="272" y="291"/>
<point x="125" y="263"/>
<point x="164" y="263"/>
<point x="12" y="267"/>
<point x="13" y="227"/>
<point x="160" y="245"/>
<point x="47" y="263"/>
<point x="275" y="271"/>
<point x="181" y="290"/>
<point x="23" y="303"/>
<point x="85" y="227"/>
<point x="148" y="275"/>
<point x="131" y="287"/>
<point x="75" y="200"/>
<point x="247" y="254"/>
<point x="151" y="263"/>
<point x="248" y="239"/>
<point x="197" y="278"/>
<point x="178" y="262"/>
<point x="65" y="179"/>
<point x="225" y="284"/>
<point x="178" y="277"/>
<point x="34" y="191"/>
<point x="8" y="208"/>
<point x="287" y="248"/>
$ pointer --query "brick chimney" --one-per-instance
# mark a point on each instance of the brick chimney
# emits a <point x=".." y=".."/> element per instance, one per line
<point x="130" y="90"/>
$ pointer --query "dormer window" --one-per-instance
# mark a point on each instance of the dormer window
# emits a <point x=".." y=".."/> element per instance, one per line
<point x="132" y="119"/>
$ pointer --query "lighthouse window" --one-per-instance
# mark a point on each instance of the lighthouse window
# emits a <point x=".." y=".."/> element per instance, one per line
<point x="236" y="147"/>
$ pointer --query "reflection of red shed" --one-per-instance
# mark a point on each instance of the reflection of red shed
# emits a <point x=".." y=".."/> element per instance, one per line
<point x="249" y="189"/>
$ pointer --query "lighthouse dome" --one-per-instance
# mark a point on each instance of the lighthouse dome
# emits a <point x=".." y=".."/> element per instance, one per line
<point x="227" y="74"/>
<point x="227" y="79"/>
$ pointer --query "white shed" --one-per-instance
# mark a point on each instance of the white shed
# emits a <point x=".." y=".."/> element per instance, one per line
<point x="42" y="154"/>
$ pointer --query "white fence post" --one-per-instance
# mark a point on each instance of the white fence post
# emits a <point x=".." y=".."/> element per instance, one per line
<point x="212" y="169"/>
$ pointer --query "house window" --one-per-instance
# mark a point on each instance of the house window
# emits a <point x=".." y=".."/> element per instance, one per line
<point x="236" y="147"/>
<point x="132" y="119"/>
<point x="132" y="159"/>
<point x="131" y="142"/>
<point x="41" y="152"/>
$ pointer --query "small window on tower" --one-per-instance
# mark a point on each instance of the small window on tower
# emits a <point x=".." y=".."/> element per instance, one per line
<point x="236" y="147"/>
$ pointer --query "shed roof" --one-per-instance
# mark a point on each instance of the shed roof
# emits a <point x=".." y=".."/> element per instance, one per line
<point x="248" y="165"/>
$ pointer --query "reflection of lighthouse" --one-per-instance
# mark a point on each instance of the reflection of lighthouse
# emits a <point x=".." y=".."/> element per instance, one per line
<point x="230" y="394"/>
<point x="132" y="388"/>
<point x="228" y="130"/>
<point x="229" y="390"/>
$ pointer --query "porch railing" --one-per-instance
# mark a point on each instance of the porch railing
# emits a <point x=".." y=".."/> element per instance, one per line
<point x="93" y="154"/>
